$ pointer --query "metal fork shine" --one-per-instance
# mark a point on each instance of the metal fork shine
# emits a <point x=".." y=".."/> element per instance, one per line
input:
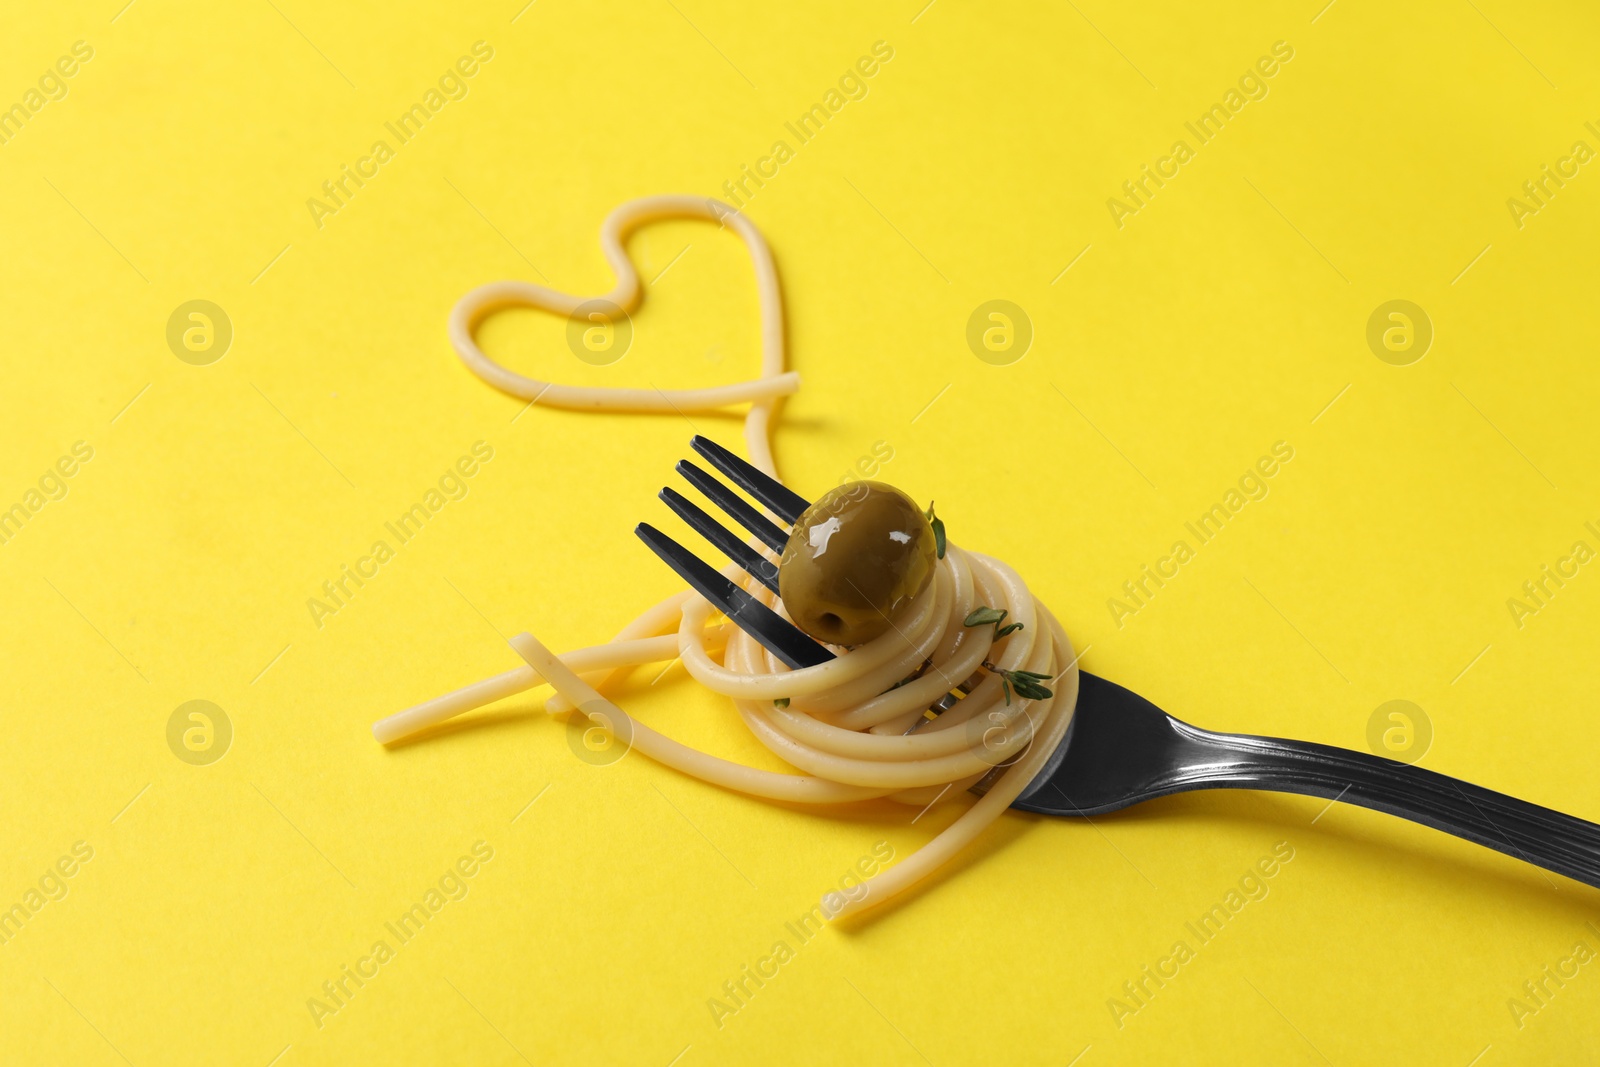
<point x="1121" y="749"/>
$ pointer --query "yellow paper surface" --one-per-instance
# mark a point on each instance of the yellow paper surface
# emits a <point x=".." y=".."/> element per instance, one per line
<point x="1176" y="341"/>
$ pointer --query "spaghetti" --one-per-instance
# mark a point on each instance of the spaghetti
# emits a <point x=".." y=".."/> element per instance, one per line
<point x="857" y="727"/>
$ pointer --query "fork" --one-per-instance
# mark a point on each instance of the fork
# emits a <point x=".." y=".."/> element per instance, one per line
<point x="1121" y="749"/>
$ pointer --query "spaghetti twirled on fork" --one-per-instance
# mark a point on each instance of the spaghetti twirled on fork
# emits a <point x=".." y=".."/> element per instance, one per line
<point x="856" y="726"/>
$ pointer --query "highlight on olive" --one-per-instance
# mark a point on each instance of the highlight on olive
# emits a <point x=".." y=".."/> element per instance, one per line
<point x="854" y="559"/>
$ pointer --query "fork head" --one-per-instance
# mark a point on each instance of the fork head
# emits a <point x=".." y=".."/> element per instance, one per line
<point x="779" y="636"/>
<point x="782" y="638"/>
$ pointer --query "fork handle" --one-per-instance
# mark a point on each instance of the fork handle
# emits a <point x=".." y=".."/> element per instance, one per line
<point x="1538" y="835"/>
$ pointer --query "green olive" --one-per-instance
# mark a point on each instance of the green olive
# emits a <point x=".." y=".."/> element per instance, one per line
<point x="857" y="556"/>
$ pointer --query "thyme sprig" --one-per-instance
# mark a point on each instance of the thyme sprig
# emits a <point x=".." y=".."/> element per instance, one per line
<point x="938" y="529"/>
<point x="1025" y="683"/>
<point x="983" y="615"/>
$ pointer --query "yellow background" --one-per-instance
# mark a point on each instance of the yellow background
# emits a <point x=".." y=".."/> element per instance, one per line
<point x="1224" y="316"/>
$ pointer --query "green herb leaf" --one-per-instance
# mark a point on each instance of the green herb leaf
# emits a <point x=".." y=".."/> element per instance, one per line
<point x="938" y="530"/>
<point x="983" y="615"/>
<point x="1024" y="683"/>
<point x="781" y="702"/>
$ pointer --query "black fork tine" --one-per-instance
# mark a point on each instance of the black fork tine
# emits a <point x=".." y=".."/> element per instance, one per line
<point x="754" y="563"/>
<point x="781" y="500"/>
<point x="781" y="638"/>
<point x="736" y="506"/>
